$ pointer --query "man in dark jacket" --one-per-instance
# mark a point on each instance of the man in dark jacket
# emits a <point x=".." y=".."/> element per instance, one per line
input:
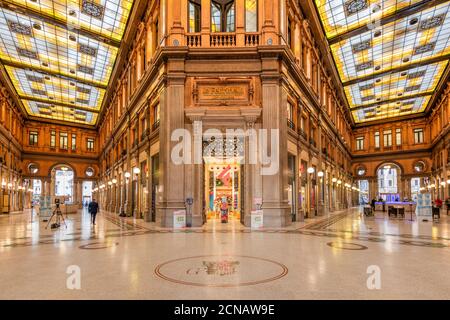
<point x="372" y="204"/>
<point x="93" y="209"/>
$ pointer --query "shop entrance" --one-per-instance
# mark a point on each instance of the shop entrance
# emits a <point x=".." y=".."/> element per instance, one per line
<point x="223" y="189"/>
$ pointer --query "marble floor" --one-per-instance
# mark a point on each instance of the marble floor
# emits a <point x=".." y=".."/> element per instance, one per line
<point x="339" y="256"/>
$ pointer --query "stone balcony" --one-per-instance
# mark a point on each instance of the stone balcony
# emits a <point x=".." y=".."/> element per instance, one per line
<point x="222" y="39"/>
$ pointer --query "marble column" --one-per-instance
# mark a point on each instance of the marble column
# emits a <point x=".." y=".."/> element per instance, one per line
<point x="171" y="182"/>
<point x="148" y="211"/>
<point x="1" y="188"/>
<point x="114" y="197"/>
<point x="274" y="184"/>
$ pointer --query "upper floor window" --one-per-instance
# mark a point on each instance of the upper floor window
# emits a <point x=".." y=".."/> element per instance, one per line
<point x="156" y="116"/>
<point x="222" y="16"/>
<point x="360" y="143"/>
<point x="377" y="139"/>
<point x="63" y="140"/>
<point x="195" y="13"/>
<point x="74" y="142"/>
<point x="418" y="135"/>
<point x="290" y="115"/>
<point x="289" y="33"/>
<point x="398" y="136"/>
<point x="90" y="144"/>
<point x="52" y="139"/>
<point x="251" y="15"/>
<point x="33" y="138"/>
<point x="387" y="138"/>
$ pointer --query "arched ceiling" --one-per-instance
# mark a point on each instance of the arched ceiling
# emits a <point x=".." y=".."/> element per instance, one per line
<point x="391" y="55"/>
<point x="59" y="54"/>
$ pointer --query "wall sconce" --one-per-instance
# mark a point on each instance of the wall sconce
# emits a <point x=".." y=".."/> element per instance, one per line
<point x="319" y="174"/>
<point x="334" y="180"/>
<point x="127" y="174"/>
<point x="339" y="182"/>
<point x="443" y="183"/>
<point x="114" y="181"/>
<point x="136" y="170"/>
<point x="109" y="183"/>
<point x="448" y="181"/>
<point x="433" y="186"/>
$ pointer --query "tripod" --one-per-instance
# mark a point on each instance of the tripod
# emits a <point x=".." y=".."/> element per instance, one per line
<point x="58" y="216"/>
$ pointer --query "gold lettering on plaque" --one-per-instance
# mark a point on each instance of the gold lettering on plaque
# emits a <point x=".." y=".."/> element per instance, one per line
<point x="222" y="93"/>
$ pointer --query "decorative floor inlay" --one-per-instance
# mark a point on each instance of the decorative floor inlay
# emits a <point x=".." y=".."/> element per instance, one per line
<point x="346" y="246"/>
<point x="98" y="245"/>
<point x="221" y="271"/>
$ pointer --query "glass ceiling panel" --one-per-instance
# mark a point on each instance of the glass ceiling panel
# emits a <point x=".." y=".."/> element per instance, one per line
<point x="341" y="16"/>
<point x="38" y="44"/>
<point x="419" y="80"/>
<point x="398" y="45"/>
<point x="46" y="110"/>
<point x="53" y="56"/>
<point x="105" y="17"/>
<point x="36" y="85"/>
<point x="391" y="109"/>
<point x="404" y="57"/>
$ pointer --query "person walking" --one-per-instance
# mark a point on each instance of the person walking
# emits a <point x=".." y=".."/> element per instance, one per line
<point x="93" y="209"/>
<point x="372" y="204"/>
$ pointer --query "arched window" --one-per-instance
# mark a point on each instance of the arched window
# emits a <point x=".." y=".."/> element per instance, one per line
<point x="251" y="15"/>
<point x="195" y="13"/>
<point x="222" y="16"/>
<point x="63" y="178"/>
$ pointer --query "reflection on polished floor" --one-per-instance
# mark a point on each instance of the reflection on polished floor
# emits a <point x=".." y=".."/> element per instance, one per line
<point x="322" y="258"/>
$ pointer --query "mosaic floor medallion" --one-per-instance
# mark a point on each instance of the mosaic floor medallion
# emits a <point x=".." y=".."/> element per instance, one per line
<point x="221" y="270"/>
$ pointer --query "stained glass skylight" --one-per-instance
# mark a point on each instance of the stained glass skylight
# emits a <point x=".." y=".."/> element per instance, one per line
<point x="107" y="18"/>
<point x="58" y="53"/>
<point x="340" y="16"/>
<point x="40" y="86"/>
<point x="387" y="56"/>
<point x="418" y="80"/>
<point x="391" y="109"/>
<point x="55" y="112"/>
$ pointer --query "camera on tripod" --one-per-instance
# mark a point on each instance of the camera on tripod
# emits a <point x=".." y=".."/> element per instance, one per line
<point x="58" y="216"/>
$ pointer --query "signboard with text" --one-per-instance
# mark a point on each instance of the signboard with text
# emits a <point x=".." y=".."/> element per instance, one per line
<point x="257" y="219"/>
<point x="424" y="204"/>
<point x="179" y="219"/>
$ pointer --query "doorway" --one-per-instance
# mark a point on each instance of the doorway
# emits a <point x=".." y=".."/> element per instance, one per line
<point x="63" y="177"/>
<point x="87" y="192"/>
<point x="222" y="184"/>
